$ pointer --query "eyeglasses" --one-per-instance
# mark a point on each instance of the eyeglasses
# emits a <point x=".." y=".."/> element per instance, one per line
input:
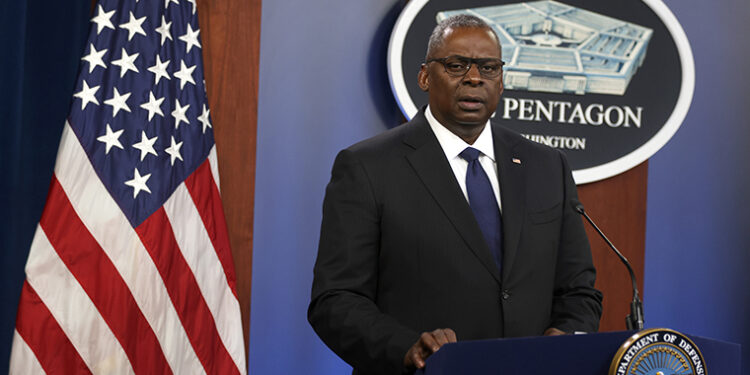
<point x="458" y="66"/>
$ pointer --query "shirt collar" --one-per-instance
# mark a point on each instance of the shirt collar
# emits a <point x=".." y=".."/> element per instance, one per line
<point x="453" y="145"/>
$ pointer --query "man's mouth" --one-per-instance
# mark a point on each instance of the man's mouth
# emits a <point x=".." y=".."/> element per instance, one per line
<point x="470" y="103"/>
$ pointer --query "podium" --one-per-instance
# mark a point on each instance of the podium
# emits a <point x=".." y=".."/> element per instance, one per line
<point x="589" y="354"/>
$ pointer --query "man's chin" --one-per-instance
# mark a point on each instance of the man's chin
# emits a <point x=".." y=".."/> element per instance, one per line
<point x="476" y="120"/>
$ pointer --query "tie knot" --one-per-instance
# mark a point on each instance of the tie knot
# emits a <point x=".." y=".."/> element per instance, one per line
<point x="470" y="154"/>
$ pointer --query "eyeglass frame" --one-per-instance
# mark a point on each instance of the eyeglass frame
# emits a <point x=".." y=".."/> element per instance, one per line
<point x="471" y="61"/>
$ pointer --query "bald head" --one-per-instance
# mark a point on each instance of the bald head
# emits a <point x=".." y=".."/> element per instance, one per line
<point x="455" y="22"/>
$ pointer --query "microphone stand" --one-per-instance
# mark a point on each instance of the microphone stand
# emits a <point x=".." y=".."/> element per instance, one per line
<point x="634" y="321"/>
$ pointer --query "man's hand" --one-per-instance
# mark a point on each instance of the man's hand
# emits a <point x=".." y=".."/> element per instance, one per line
<point x="428" y="343"/>
<point x="554" y="332"/>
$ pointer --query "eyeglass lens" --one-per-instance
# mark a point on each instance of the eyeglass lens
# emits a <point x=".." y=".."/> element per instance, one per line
<point x="458" y="66"/>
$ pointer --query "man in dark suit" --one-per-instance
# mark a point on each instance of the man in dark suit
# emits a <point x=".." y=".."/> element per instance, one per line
<point x="448" y="228"/>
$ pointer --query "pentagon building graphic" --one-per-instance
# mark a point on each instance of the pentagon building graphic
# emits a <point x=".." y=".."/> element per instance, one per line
<point x="553" y="47"/>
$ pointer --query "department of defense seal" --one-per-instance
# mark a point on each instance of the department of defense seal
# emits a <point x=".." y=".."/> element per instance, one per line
<point x="658" y="351"/>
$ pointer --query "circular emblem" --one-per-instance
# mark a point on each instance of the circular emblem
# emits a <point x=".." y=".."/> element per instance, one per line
<point x="658" y="351"/>
<point x="608" y="83"/>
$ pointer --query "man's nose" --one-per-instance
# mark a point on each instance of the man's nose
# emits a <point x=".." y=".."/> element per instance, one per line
<point x="472" y="76"/>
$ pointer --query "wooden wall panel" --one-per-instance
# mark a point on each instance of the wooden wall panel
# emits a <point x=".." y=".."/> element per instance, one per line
<point x="230" y="32"/>
<point x="618" y="206"/>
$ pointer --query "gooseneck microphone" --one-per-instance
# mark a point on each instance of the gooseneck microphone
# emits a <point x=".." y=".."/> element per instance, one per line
<point x="634" y="321"/>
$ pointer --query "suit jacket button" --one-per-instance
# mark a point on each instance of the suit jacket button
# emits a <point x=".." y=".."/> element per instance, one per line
<point x="506" y="294"/>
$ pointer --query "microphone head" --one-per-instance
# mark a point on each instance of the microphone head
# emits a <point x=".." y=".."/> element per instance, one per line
<point x="578" y="206"/>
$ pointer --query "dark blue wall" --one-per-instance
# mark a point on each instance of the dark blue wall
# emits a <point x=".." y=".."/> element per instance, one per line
<point x="41" y="43"/>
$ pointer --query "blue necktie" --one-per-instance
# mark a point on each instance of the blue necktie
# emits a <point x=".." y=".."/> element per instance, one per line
<point x="484" y="205"/>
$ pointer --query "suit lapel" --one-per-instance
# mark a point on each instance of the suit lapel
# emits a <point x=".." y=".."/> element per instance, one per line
<point x="430" y="164"/>
<point x="512" y="193"/>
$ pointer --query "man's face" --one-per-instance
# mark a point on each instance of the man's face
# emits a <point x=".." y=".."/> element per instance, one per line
<point x="470" y="99"/>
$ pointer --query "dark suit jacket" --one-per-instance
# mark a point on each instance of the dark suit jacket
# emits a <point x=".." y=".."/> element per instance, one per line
<point x="401" y="253"/>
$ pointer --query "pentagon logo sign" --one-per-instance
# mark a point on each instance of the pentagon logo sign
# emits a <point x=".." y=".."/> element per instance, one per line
<point x="608" y="83"/>
<point x="554" y="47"/>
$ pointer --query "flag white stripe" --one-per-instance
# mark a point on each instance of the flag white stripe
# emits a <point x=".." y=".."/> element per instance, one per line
<point x="111" y="229"/>
<point x="23" y="361"/>
<point x="213" y="162"/>
<point x="201" y="257"/>
<point x="73" y="310"/>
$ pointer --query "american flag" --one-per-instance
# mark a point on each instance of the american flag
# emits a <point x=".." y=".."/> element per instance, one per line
<point x="130" y="270"/>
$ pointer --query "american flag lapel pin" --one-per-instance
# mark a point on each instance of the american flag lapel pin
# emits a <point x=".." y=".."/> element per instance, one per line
<point x="516" y="160"/>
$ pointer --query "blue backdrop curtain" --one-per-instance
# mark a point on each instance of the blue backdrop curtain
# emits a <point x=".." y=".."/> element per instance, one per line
<point x="698" y="217"/>
<point x="41" y="44"/>
<point x="323" y="86"/>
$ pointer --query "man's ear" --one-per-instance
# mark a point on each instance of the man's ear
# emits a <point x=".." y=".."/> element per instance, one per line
<point x="423" y="78"/>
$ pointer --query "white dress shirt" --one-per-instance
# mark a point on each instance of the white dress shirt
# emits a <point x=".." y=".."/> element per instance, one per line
<point x="453" y="145"/>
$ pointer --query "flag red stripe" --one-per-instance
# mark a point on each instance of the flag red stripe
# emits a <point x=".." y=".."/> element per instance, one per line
<point x="207" y="200"/>
<point x="100" y="279"/>
<point x="52" y="348"/>
<point x="158" y="237"/>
